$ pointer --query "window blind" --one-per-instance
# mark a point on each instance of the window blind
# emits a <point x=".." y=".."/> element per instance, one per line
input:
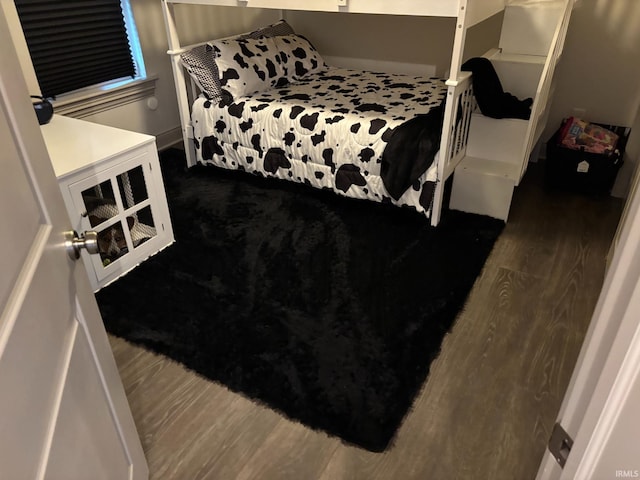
<point x="75" y="44"/>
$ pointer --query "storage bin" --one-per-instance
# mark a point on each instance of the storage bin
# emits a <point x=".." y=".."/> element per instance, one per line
<point x="581" y="171"/>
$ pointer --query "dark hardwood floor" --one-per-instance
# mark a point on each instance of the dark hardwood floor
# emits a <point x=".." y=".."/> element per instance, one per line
<point x="487" y="408"/>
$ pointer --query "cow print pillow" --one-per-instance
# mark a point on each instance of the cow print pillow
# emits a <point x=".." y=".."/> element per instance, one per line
<point x="249" y="65"/>
<point x="301" y="58"/>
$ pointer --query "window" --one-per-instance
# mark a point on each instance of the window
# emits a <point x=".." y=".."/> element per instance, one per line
<point x="80" y="43"/>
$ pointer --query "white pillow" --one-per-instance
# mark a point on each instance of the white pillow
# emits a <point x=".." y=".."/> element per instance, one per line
<point x="249" y="65"/>
<point x="300" y="57"/>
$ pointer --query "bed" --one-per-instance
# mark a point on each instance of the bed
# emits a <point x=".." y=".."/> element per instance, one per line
<point x="270" y="104"/>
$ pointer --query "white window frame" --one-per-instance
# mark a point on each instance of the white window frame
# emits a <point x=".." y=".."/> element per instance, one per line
<point x="105" y="96"/>
<point x="97" y="98"/>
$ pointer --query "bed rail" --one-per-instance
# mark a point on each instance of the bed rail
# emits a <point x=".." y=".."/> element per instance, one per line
<point x="180" y="77"/>
<point x="475" y="11"/>
<point x="478" y="10"/>
<point x="431" y="8"/>
<point x="455" y="133"/>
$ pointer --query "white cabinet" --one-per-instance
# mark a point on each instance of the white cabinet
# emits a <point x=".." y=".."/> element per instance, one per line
<point x="111" y="183"/>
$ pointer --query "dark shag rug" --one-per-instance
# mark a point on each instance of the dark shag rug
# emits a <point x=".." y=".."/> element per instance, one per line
<point x="327" y="309"/>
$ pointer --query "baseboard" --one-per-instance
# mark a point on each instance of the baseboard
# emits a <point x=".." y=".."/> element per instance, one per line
<point x="169" y="138"/>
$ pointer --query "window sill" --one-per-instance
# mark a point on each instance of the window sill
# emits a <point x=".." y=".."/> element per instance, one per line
<point x="89" y="103"/>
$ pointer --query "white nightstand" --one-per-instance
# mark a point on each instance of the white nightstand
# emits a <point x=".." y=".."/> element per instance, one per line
<point x="111" y="183"/>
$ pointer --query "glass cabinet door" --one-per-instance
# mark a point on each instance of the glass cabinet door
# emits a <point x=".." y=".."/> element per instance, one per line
<point x="119" y="209"/>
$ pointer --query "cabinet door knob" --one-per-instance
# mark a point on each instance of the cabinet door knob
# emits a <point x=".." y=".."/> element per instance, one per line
<point x="74" y="243"/>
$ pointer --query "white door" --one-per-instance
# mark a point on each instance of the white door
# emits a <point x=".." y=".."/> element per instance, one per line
<point x="63" y="410"/>
<point x="601" y="409"/>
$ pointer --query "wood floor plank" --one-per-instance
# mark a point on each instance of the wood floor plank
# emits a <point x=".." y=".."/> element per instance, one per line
<point x="241" y="433"/>
<point x="301" y="453"/>
<point x="206" y="430"/>
<point x="476" y="384"/>
<point x="489" y="403"/>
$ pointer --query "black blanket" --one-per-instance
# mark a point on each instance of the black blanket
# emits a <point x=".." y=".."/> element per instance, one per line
<point x="492" y="100"/>
<point x="411" y="150"/>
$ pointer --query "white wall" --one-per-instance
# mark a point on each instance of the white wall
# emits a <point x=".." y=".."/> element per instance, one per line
<point x="617" y="452"/>
<point x="409" y="40"/>
<point x="600" y="67"/>
<point x="413" y="40"/>
<point x="600" y="72"/>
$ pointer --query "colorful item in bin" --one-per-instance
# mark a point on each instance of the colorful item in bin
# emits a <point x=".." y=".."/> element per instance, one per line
<point x="579" y="134"/>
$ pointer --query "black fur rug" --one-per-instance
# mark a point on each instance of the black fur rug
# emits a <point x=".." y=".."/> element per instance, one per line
<point x="327" y="309"/>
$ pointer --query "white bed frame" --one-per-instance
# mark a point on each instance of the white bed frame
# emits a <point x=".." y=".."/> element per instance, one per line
<point x="456" y="120"/>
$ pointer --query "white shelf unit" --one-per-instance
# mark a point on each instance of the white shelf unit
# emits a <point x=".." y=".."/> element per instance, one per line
<point x="111" y="183"/>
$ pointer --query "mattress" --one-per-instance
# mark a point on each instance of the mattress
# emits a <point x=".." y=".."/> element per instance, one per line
<point x="330" y="130"/>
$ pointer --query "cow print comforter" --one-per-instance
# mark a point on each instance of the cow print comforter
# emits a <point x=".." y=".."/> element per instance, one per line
<point x="329" y="130"/>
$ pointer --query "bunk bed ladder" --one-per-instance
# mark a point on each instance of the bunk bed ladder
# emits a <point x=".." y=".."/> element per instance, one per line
<point x="498" y="150"/>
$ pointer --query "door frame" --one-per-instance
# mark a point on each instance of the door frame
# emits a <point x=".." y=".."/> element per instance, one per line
<point x="602" y="384"/>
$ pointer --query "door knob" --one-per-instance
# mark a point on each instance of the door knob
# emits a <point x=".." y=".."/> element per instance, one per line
<point x="74" y="243"/>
